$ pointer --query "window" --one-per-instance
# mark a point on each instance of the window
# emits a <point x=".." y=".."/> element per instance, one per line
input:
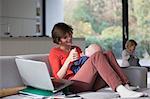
<point x="99" y="21"/>
<point x="139" y="23"/>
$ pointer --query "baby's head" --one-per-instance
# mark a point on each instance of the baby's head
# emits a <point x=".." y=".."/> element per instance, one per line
<point x="91" y="49"/>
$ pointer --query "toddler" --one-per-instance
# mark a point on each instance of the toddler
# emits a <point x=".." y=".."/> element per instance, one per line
<point x="129" y="57"/>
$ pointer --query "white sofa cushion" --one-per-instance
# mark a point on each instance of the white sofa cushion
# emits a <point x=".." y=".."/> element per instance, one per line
<point x="9" y="74"/>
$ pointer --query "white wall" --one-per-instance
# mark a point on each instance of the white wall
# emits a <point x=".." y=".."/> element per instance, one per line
<point x="54" y="14"/>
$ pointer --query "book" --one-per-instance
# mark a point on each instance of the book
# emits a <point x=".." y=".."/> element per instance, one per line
<point x="40" y="93"/>
<point x="36" y="92"/>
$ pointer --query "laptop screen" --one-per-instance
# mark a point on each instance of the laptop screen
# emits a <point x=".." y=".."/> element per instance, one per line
<point x="35" y="74"/>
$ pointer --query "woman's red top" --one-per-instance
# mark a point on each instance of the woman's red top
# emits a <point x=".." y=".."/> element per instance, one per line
<point x="57" y="58"/>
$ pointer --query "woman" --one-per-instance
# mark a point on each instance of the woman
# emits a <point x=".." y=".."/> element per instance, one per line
<point x="99" y="70"/>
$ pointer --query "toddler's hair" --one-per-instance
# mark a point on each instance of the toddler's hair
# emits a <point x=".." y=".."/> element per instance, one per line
<point x="130" y="43"/>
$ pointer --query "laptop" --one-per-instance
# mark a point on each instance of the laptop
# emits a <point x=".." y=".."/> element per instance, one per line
<point x="35" y="74"/>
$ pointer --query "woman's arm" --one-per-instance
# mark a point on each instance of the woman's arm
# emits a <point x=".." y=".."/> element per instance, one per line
<point x="59" y="69"/>
<point x="61" y="73"/>
<point x="73" y="55"/>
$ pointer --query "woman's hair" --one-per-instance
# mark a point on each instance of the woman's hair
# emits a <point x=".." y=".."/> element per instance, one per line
<point x="130" y="43"/>
<point x="60" y="30"/>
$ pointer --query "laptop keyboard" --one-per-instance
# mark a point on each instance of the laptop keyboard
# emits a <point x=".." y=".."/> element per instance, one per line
<point x="57" y="83"/>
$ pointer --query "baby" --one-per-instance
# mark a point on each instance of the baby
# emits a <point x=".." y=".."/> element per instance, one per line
<point x="89" y="51"/>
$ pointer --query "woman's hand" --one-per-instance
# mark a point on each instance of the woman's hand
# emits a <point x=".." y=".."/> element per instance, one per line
<point x="73" y="55"/>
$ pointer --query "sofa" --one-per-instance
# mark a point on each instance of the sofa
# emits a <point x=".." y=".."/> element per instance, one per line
<point x="9" y="75"/>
